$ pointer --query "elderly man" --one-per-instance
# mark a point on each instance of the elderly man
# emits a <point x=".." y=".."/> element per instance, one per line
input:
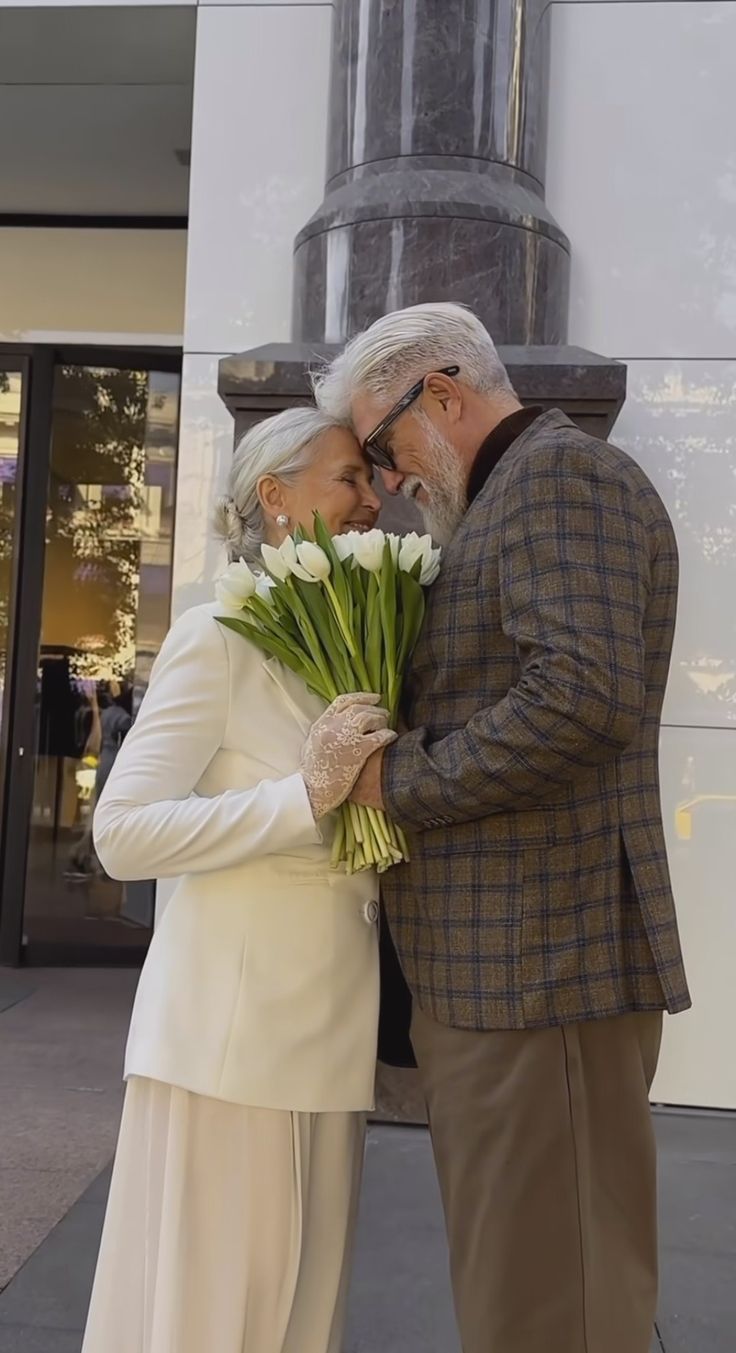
<point x="535" y="924"/>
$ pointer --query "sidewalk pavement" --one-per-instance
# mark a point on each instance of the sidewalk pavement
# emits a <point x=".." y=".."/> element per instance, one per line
<point x="400" y="1297"/>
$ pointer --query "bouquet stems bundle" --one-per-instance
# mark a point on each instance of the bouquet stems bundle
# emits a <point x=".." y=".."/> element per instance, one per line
<point x="344" y="614"/>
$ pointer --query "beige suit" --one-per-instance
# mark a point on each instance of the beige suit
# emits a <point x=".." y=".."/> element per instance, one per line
<point x="251" y="1055"/>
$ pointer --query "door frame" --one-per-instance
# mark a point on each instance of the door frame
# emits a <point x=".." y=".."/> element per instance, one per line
<point x="12" y="364"/>
<point x="38" y="363"/>
<point x="24" y="625"/>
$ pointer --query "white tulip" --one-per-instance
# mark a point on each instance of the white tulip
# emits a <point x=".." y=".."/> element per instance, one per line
<point x="430" y="568"/>
<point x="395" y="546"/>
<point x="314" y="561"/>
<point x="275" y="562"/>
<point x="287" y="550"/>
<point x="345" y="544"/>
<point x="368" y="550"/>
<point x="264" y="587"/>
<point x="412" y="549"/>
<point x="236" y="586"/>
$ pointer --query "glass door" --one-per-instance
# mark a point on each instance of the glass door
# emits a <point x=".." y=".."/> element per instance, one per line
<point x="87" y="483"/>
<point x="25" y="386"/>
<point x="105" y="606"/>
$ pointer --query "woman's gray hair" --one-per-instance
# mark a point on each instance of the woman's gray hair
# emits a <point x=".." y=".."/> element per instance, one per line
<point x="282" y="446"/>
<point x="402" y="347"/>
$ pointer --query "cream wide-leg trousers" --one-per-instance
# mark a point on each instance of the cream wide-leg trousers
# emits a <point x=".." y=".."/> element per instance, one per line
<point x="228" y="1229"/>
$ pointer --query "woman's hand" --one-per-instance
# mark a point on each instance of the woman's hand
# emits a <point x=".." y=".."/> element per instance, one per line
<point x="338" y="746"/>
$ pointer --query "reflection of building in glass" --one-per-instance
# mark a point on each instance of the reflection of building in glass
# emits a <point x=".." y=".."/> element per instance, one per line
<point x="110" y="518"/>
<point x="10" y="398"/>
<point x="681" y="426"/>
<point x="106" y="545"/>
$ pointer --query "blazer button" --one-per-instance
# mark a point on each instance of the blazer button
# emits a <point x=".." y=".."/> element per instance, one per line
<point x="370" y="912"/>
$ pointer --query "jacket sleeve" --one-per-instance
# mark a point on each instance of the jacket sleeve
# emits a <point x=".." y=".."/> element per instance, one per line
<point x="149" y="822"/>
<point x="574" y="573"/>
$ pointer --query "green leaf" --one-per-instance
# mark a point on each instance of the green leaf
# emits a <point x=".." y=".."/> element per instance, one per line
<point x="332" y="640"/>
<point x="267" y="643"/>
<point x="387" y="602"/>
<point x="323" y="538"/>
<point x="412" y="597"/>
<point x="266" y="615"/>
<point x="302" y="595"/>
<point x="357" y="578"/>
<point x="374" y="636"/>
<point x="286" y="620"/>
<point x="337" y="576"/>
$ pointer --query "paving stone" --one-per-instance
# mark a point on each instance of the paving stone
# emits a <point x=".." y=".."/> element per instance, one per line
<point x="98" y="1190"/>
<point x="696" y="1136"/>
<point x="27" y="1339"/>
<point x="697" y="1206"/>
<point x="21" y="1237"/>
<point x="61" y="1055"/>
<point x="52" y="1290"/>
<point x="400" y="1298"/>
<point x="14" y="988"/>
<point x="698" y="1302"/>
<point x="31" y="1203"/>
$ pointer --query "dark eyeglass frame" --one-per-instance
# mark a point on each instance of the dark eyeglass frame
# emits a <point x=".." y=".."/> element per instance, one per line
<point x="377" y="454"/>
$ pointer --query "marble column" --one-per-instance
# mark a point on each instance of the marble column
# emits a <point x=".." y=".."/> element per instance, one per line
<point x="436" y="161"/>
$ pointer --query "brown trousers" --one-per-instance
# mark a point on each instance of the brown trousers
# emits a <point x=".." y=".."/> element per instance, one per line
<point x="546" y="1159"/>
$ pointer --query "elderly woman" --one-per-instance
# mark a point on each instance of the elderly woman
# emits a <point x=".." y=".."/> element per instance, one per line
<point x="251" y="1054"/>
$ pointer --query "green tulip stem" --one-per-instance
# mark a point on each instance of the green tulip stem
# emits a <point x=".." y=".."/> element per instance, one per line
<point x="359" y="667"/>
<point x="357" y="824"/>
<point x="368" y="844"/>
<point x="345" y="628"/>
<point x="338" y="844"/>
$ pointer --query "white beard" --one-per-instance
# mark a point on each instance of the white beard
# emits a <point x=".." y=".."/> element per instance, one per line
<point x="444" y="486"/>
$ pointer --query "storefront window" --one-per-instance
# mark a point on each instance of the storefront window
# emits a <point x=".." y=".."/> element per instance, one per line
<point x="107" y="579"/>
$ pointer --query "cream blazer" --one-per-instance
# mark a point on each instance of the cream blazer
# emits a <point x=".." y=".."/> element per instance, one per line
<point x="261" y="983"/>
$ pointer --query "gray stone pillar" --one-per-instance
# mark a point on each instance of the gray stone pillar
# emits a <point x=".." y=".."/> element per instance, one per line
<point x="436" y="163"/>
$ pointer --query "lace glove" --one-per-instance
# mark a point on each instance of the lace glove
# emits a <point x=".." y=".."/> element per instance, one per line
<point x="338" y="746"/>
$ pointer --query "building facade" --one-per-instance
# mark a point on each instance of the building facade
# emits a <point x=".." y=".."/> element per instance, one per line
<point x="157" y="164"/>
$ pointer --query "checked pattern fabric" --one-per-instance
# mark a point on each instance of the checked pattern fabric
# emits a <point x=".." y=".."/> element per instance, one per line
<point x="538" y="891"/>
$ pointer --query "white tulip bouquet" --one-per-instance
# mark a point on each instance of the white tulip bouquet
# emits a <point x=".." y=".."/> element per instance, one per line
<point x="344" y="613"/>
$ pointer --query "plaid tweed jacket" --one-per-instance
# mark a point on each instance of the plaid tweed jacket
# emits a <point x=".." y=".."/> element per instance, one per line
<point x="538" y="891"/>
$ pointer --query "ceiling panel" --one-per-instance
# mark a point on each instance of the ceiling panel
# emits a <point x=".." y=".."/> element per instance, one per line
<point x="94" y="149"/>
<point x="97" y="45"/>
<point x="96" y="110"/>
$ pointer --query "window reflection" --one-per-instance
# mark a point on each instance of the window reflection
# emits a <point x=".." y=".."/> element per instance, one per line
<point x="109" y="534"/>
<point x="679" y="423"/>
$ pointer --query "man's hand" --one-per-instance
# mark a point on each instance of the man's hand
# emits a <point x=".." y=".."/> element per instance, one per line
<point x="367" y="787"/>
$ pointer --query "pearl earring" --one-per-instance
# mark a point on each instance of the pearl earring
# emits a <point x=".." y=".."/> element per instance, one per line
<point x="282" y="520"/>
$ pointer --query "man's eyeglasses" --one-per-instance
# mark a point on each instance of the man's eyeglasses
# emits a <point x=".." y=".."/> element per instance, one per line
<point x="373" y="446"/>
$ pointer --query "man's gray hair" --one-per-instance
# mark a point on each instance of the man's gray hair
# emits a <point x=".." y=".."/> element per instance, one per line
<point x="282" y="446"/>
<point x="402" y="347"/>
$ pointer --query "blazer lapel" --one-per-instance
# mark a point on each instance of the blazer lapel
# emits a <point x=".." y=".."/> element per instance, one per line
<point x="304" y="706"/>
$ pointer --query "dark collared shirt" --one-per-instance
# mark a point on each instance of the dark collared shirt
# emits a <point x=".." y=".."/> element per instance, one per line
<point x="496" y="444"/>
